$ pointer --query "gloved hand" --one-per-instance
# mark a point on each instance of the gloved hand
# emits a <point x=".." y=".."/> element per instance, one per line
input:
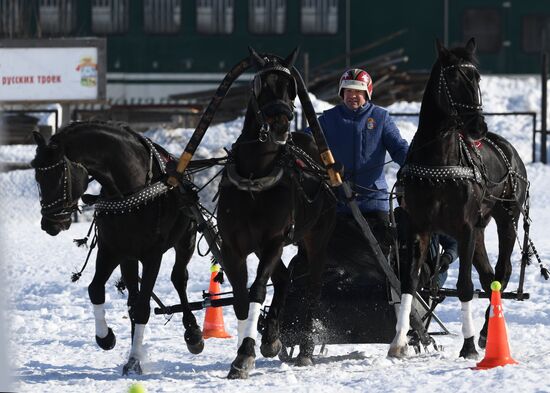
<point x="444" y="263"/>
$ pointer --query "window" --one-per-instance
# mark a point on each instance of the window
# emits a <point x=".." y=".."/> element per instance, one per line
<point x="215" y="16"/>
<point x="57" y="17"/>
<point x="533" y="27"/>
<point x="162" y="16"/>
<point x="109" y="16"/>
<point x="267" y="16"/>
<point x="319" y="16"/>
<point x="12" y="18"/>
<point x="485" y="25"/>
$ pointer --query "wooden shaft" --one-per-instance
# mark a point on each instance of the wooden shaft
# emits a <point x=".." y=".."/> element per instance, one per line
<point x="184" y="160"/>
<point x="334" y="176"/>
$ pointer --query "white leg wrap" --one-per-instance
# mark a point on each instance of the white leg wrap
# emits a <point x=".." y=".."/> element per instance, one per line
<point x="241" y="324"/>
<point x="251" y="329"/>
<point x="468" y="328"/>
<point x="137" y="343"/>
<point x="101" y="328"/>
<point x="403" y="325"/>
<point x="396" y="307"/>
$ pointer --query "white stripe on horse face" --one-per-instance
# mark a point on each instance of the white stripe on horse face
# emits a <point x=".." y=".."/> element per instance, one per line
<point x="101" y="328"/>
<point x="468" y="327"/>
<point x="249" y="327"/>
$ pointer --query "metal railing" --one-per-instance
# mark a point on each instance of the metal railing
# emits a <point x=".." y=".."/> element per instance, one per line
<point x="533" y="116"/>
<point x="28" y="111"/>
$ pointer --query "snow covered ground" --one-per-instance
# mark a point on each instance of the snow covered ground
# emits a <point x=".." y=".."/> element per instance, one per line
<point x="50" y="335"/>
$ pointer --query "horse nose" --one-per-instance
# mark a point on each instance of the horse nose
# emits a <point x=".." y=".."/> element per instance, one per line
<point x="49" y="228"/>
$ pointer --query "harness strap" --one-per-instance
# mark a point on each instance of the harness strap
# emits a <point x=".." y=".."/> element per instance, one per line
<point x="147" y="194"/>
<point x="123" y="205"/>
<point x="76" y="276"/>
<point x="252" y="185"/>
<point x="440" y="173"/>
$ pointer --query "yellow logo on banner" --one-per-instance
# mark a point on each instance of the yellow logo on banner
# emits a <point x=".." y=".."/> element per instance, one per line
<point x="88" y="72"/>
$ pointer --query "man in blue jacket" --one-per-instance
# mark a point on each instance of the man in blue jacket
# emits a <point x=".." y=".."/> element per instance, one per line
<point x="359" y="134"/>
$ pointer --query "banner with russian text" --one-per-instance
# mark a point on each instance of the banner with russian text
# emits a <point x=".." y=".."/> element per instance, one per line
<point x="49" y="74"/>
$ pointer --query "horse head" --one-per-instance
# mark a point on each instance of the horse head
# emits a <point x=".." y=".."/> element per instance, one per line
<point x="458" y="93"/>
<point x="61" y="182"/>
<point x="273" y="92"/>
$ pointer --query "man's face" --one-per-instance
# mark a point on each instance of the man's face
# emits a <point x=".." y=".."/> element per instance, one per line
<point x="354" y="99"/>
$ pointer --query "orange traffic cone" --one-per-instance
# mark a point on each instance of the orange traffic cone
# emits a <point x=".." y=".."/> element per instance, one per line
<point x="213" y="318"/>
<point x="497" y="352"/>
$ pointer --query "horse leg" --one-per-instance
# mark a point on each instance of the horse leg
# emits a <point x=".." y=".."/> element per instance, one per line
<point x="129" y="270"/>
<point x="105" y="264"/>
<point x="140" y="312"/>
<point x="417" y="248"/>
<point x="271" y="344"/>
<point x="244" y="361"/>
<point x="486" y="276"/>
<point x="193" y="334"/>
<point x="465" y="290"/>
<point x="270" y="258"/>
<point x="235" y="269"/>
<point x="503" y="269"/>
<point x="506" y="228"/>
<point x="315" y="244"/>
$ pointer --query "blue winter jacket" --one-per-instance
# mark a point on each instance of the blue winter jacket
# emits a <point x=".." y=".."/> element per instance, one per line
<point x="359" y="140"/>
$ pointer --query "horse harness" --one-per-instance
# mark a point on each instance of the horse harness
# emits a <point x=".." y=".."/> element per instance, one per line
<point x="467" y="170"/>
<point x="293" y="167"/>
<point x="443" y="86"/>
<point x="264" y="132"/>
<point x="64" y="205"/>
<point x="143" y="196"/>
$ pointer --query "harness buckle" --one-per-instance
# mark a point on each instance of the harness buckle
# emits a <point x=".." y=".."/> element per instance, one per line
<point x="264" y="132"/>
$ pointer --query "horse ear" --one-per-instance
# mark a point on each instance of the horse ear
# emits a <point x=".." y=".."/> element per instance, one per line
<point x="438" y="45"/>
<point x="39" y="138"/>
<point x="471" y="45"/>
<point x="442" y="52"/>
<point x="291" y="59"/>
<point x="256" y="58"/>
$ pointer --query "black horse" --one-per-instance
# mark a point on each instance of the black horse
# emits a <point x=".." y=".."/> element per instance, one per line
<point x="268" y="200"/>
<point x="456" y="177"/>
<point x="138" y="218"/>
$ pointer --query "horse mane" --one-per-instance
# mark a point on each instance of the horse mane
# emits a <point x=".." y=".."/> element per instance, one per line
<point x="78" y="126"/>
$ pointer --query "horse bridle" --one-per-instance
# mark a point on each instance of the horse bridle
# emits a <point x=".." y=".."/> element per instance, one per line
<point x="265" y="128"/>
<point x="62" y="207"/>
<point x="458" y="108"/>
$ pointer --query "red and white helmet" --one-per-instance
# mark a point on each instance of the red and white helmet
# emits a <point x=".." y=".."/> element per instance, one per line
<point x="357" y="79"/>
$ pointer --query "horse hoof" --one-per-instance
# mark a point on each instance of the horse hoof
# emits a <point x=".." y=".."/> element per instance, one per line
<point x="482" y="342"/>
<point x="237" y="374"/>
<point x="240" y="367"/>
<point x="303" y="361"/>
<point x="270" y="350"/>
<point x="133" y="367"/>
<point x="284" y="356"/>
<point x="397" y="352"/>
<point x="471" y="355"/>
<point x="107" y="342"/>
<point x="197" y="348"/>
<point x="468" y="350"/>
<point x="193" y="339"/>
